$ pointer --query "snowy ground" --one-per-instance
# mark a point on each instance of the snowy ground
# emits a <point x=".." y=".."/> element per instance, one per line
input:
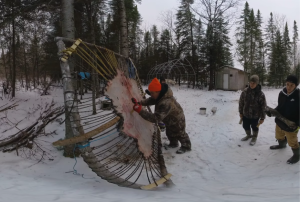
<point x="219" y="168"/>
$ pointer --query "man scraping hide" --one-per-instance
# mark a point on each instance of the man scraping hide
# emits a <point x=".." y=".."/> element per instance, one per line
<point x="168" y="111"/>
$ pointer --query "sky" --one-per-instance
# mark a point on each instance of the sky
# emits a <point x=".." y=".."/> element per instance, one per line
<point x="151" y="10"/>
<point x="289" y="10"/>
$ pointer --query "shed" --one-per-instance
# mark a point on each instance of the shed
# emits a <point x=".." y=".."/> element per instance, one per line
<point x="230" y="78"/>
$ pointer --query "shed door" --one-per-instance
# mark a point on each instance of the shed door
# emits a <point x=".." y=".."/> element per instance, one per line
<point x="225" y="81"/>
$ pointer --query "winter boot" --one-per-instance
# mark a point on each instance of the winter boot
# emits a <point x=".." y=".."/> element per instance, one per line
<point x="182" y="150"/>
<point x="281" y="144"/>
<point x="248" y="135"/>
<point x="254" y="137"/>
<point x="295" y="157"/>
<point x="171" y="145"/>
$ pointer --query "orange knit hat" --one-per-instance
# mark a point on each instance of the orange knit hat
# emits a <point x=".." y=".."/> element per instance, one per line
<point x="154" y="85"/>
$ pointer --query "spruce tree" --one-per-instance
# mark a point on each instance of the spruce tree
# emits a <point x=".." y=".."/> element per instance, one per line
<point x="287" y="53"/>
<point x="294" y="44"/>
<point x="259" y="62"/>
<point x="242" y="38"/>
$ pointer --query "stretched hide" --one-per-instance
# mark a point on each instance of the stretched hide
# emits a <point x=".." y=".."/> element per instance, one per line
<point x="121" y="89"/>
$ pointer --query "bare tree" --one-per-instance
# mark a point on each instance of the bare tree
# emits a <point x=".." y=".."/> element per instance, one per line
<point x="69" y="91"/>
<point x="168" y="18"/>
<point x="279" y="21"/>
<point x="210" y="12"/>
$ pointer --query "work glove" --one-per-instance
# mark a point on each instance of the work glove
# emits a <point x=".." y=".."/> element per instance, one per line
<point x="297" y="129"/>
<point x="268" y="113"/>
<point x="137" y="106"/>
<point x="134" y="101"/>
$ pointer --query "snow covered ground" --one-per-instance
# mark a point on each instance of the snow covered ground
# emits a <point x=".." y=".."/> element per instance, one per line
<point x="219" y="168"/>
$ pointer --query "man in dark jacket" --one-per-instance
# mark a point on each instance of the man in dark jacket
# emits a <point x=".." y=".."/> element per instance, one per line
<point x="288" y="107"/>
<point x="251" y="107"/>
<point x="168" y="111"/>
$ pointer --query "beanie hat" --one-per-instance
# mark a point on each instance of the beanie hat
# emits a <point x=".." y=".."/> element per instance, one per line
<point x="254" y="78"/>
<point x="154" y="85"/>
<point x="292" y="79"/>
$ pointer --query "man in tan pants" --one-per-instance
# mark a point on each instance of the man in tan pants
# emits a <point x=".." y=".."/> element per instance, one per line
<point x="291" y="137"/>
<point x="288" y="107"/>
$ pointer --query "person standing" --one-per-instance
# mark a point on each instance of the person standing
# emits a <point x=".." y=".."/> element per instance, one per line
<point x="288" y="107"/>
<point x="252" y="105"/>
<point x="168" y="111"/>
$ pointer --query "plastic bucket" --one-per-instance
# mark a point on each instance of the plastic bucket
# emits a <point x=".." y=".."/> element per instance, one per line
<point x="202" y="110"/>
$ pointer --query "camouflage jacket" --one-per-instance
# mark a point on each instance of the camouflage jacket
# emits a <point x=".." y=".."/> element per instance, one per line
<point x="253" y="103"/>
<point x="167" y="110"/>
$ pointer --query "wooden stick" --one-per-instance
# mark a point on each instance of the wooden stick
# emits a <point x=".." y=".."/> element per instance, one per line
<point x="88" y="44"/>
<point x="86" y="136"/>
<point x="157" y="182"/>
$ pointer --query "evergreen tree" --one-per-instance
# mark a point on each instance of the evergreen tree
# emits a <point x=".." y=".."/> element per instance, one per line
<point x="242" y="38"/>
<point x="287" y="51"/>
<point x="269" y="38"/>
<point x="184" y="29"/>
<point x="165" y="46"/>
<point x="259" y="62"/>
<point x="277" y="61"/>
<point x="294" y="44"/>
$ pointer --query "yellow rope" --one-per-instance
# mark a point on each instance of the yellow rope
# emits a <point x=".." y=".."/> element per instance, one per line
<point x="96" y="56"/>
<point x="111" y="57"/>
<point x="98" y="59"/>
<point x="68" y="52"/>
<point x="81" y="50"/>
<point x="108" y="61"/>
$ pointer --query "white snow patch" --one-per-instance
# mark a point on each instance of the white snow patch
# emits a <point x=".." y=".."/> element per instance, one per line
<point x="219" y="168"/>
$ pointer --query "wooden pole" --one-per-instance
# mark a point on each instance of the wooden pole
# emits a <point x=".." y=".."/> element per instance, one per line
<point x="85" y="137"/>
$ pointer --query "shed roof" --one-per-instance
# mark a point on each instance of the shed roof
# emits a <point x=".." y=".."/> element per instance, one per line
<point x="230" y="68"/>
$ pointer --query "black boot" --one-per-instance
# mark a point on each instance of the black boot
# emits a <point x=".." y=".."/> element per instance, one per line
<point x="248" y="135"/>
<point x="295" y="157"/>
<point x="171" y="145"/>
<point x="281" y="144"/>
<point x="183" y="150"/>
<point x="254" y="137"/>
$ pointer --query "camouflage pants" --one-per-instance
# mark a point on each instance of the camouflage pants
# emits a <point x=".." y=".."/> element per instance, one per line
<point x="178" y="135"/>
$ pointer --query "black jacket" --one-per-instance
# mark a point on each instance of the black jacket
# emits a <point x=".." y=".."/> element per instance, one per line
<point x="288" y="106"/>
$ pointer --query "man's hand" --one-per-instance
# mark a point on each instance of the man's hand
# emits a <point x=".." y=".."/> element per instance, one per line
<point x="296" y="131"/>
<point x="261" y="121"/>
<point x="137" y="107"/>
<point x="241" y="116"/>
<point x="148" y="92"/>
<point x="134" y="100"/>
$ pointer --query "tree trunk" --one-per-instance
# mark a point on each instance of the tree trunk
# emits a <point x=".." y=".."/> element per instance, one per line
<point x="4" y="65"/>
<point x="192" y="42"/>
<point x="123" y="28"/>
<point x="25" y="67"/>
<point x="73" y="126"/>
<point x="68" y="31"/>
<point x="13" y="82"/>
<point x="68" y="19"/>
